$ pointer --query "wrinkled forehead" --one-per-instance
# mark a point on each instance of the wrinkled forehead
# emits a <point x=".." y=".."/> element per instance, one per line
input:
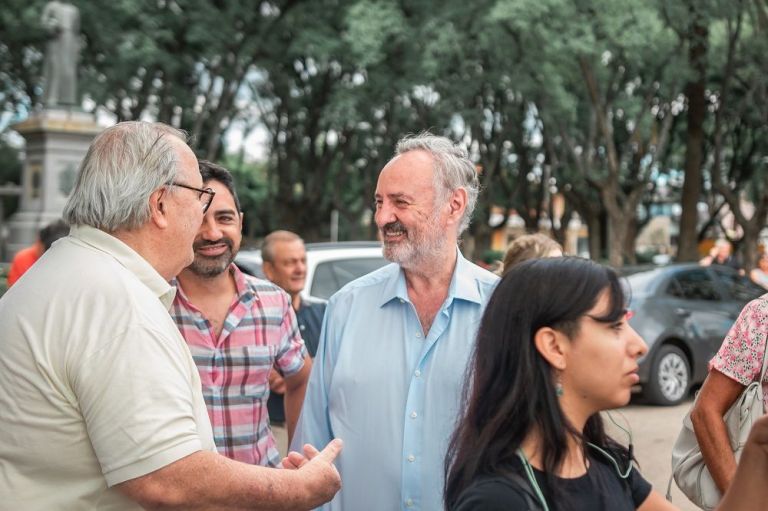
<point x="411" y="173"/>
<point x="223" y="198"/>
<point x="289" y="248"/>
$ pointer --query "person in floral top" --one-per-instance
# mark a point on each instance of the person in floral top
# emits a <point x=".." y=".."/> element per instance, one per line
<point x="737" y="364"/>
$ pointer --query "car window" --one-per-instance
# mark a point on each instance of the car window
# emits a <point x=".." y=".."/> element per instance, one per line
<point x="693" y="285"/>
<point x="641" y="281"/>
<point x="251" y="268"/>
<point x="740" y="288"/>
<point x="331" y="276"/>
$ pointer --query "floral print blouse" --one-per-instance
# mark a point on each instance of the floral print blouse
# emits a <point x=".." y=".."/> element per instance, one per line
<point x="741" y="355"/>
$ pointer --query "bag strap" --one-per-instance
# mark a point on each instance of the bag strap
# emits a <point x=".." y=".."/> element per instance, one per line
<point x="668" y="495"/>
<point x="760" y="395"/>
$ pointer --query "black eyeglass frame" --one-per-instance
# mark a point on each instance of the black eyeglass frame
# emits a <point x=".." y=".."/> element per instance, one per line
<point x="201" y="191"/>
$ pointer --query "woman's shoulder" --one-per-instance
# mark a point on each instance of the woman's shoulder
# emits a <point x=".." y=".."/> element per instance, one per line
<point x="496" y="493"/>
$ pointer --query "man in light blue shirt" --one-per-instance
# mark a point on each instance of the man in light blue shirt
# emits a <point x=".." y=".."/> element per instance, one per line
<point x="395" y="343"/>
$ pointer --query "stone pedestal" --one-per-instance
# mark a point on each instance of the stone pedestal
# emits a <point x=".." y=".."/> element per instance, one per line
<point x="57" y="141"/>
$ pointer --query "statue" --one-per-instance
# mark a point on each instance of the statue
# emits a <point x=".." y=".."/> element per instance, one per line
<point x="62" y="20"/>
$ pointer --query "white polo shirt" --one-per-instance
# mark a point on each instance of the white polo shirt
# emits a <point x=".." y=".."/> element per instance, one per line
<point x="97" y="386"/>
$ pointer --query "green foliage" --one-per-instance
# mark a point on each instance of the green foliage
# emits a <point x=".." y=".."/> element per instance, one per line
<point x="10" y="173"/>
<point x="583" y="98"/>
<point x="370" y="27"/>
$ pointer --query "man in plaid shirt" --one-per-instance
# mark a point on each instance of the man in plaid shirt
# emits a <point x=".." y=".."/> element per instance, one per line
<point x="238" y="328"/>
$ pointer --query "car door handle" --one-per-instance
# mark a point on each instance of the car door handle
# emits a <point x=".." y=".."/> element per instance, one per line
<point x="683" y="313"/>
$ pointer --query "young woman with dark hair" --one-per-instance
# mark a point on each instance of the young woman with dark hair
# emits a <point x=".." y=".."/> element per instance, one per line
<point x="553" y="350"/>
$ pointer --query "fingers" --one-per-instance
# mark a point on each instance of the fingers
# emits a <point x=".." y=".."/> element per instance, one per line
<point x="276" y="382"/>
<point x="331" y="450"/>
<point x="294" y="460"/>
<point x="310" y="451"/>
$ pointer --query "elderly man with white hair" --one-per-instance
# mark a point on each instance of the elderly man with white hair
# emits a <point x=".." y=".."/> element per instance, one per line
<point x="395" y="343"/>
<point x="100" y="400"/>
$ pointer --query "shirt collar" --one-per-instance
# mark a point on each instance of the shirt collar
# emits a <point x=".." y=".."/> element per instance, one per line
<point x="128" y="258"/>
<point x="244" y="291"/>
<point x="463" y="285"/>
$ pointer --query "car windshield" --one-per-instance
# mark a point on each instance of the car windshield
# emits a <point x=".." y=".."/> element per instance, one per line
<point x="333" y="275"/>
<point x="640" y="282"/>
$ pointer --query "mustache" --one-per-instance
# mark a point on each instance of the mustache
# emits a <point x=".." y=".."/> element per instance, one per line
<point x="394" y="226"/>
<point x="206" y="243"/>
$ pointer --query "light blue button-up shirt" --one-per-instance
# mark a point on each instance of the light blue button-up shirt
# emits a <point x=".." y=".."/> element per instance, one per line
<point x="390" y="393"/>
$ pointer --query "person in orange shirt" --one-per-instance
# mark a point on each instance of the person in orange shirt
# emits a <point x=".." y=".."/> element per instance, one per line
<point x="26" y="257"/>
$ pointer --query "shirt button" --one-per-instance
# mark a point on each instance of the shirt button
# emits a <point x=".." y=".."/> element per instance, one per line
<point x="411" y="458"/>
<point x="401" y="300"/>
<point x="418" y="336"/>
<point x="409" y="503"/>
<point x="417" y="373"/>
<point x="414" y="415"/>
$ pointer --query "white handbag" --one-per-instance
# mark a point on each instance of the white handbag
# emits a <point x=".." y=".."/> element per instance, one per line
<point x="688" y="468"/>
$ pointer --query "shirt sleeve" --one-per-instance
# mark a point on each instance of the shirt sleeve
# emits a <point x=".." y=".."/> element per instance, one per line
<point x="491" y="495"/>
<point x="135" y="396"/>
<point x="639" y="487"/>
<point x="314" y="426"/>
<point x="741" y="355"/>
<point x="291" y="350"/>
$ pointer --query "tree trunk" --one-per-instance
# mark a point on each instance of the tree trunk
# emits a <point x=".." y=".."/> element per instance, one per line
<point x="694" y="151"/>
<point x="477" y="239"/>
<point x="595" y="237"/>
<point x="617" y="232"/>
<point x="749" y="248"/>
<point x="630" y="236"/>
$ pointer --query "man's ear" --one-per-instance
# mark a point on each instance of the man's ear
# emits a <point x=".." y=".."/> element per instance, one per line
<point x="242" y="217"/>
<point x="158" y="207"/>
<point x="266" y="267"/>
<point x="458" y="203"/>
<point x="552" y="345"/>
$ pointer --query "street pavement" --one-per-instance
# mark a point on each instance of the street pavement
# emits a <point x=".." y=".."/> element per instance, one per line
<point x="654" y="430"/>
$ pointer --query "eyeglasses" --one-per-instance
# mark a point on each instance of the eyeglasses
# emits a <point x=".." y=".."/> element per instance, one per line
<point x="204" y="195"/>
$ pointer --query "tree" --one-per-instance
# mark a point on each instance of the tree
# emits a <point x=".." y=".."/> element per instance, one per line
<point x="738" y="139"/>
<point x="694" y="17"/>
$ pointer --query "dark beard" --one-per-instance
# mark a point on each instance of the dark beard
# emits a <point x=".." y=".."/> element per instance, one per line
<point x="209" y="267"/>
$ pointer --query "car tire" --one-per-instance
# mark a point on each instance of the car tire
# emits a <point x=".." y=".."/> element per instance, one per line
<point x="670" y="377"/>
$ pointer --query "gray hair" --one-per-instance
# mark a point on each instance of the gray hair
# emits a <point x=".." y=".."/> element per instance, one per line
<point x="268" y="245"/>
<point x="124" y="165"/>
<point x="453" y="168"/>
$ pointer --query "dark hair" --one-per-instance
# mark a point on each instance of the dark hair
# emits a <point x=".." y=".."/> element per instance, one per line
<point x="53" y="231"/>
<point x="209" y="171"/>
<point x="510" y="388"/>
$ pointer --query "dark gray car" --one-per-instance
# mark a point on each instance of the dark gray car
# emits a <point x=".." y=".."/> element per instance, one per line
<point x="683" y="312"/>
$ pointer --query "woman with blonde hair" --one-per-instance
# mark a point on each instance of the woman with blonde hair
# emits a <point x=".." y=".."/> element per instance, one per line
<point x="530" y="246"/>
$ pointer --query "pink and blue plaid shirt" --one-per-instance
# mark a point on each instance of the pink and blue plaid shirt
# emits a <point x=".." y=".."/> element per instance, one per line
<point x="260" y="332"/>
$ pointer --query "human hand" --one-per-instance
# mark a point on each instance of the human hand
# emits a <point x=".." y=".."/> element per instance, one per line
<point x="747" y="490"/>
<point x="319" y="475"/>
<point x="758" y="436"/>
<point x="276" y="382"/>
<point x="295" y="460"/>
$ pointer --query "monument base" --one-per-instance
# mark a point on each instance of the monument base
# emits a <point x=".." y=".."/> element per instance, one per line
<point x="57" y="140"/>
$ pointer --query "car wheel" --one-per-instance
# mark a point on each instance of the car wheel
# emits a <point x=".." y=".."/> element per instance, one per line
<point x="670" y="377"/>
